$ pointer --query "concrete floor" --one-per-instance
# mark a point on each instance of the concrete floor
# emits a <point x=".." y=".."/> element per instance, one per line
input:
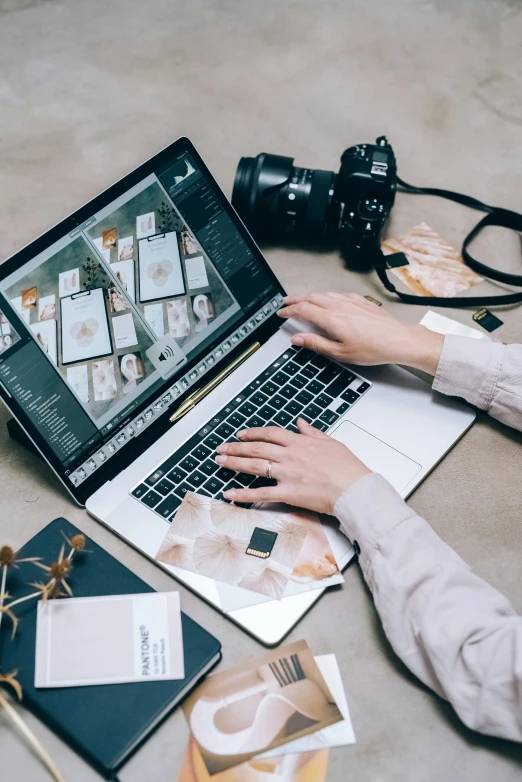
<point x="90" y="88"/>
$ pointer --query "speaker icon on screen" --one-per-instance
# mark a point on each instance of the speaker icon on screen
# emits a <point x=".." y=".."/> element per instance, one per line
<point x="166" y="353"/>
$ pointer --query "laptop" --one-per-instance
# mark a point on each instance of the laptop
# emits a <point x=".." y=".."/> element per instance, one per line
<point x="141" y="332"/>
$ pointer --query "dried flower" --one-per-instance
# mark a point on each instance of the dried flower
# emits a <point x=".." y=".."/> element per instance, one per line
<point x="49" y="591"/>
<point x="6" y="610"/>
<point x="8" y="557"/>
<point x="58" y="571"/>
<point x="77" y="542"/>
<point x="10" y="678"/>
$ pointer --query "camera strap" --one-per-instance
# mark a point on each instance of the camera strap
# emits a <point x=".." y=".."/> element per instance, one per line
<point x="504" y="218"/>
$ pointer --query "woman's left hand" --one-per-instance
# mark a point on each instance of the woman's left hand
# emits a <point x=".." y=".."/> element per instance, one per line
<point x="311" y="469"/>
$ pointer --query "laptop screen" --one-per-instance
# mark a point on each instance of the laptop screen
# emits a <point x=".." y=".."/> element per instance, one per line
<point x="106" y="322"/>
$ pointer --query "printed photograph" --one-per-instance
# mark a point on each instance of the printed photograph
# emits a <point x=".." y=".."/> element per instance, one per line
<point x="45" y="335"/>
<point x="189" y="244"/>
<point x="178" y="319"/>
<point x="258" y="705"/>
<point x="203" y="308"/>
<point x="270" y="552"/>
<point x="68" y="282"/>
<point x="78" y="379"/>
<point x="131" y="369"/>
<point x="104" y="380"/>
<point x="29" y="297"/>
<point x="47" y="307"/>
<point x="296" y="767"/>
<point x="109" y="238"/>
<point x="126" y="248"/>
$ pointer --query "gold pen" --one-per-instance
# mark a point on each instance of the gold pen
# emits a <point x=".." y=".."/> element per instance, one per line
<point x="198" y="395"/>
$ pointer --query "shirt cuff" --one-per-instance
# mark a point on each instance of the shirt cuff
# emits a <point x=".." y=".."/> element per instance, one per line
<point x="367" y="511"/>
<point x="469" y="368"/>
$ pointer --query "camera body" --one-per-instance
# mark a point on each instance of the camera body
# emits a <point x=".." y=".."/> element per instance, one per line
<point x="277" y="199"/>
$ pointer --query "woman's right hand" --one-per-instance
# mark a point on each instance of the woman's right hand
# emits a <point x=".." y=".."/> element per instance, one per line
<point x="359" y="332"/>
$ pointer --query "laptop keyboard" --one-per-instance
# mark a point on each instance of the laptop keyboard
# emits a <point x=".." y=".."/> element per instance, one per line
<point x="299" y="384"/>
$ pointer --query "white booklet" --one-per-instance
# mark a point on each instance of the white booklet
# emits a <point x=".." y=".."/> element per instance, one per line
<point x="110" y="639"/>
<point x="85" y="326"/>
<point x="160" y="273"/>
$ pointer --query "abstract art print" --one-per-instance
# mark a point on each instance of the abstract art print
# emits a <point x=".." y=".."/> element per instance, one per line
<point x="265" y="551"/>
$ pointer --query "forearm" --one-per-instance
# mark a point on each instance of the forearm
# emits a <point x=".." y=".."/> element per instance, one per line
<point x="486" y="374"/>
<point x="453" y="630"/>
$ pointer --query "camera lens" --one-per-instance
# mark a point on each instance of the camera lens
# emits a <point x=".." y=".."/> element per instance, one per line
<point x="273" y="197"/>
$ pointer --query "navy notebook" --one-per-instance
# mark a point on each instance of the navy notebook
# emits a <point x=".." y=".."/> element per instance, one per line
<point x="103" y="723"/>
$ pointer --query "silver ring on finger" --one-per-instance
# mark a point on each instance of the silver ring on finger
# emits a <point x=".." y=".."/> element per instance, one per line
<point x="269" y="470"/>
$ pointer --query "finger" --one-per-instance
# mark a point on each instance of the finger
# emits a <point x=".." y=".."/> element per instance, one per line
<point x="263" y="494"/>
<point x="268" y="434"/>
<point x="311" y="431"/>
<point x="303" y="310"/>
<point x="317" y="343"/>
<point x="254" y="449"/>
<point x="319" y="299"/>
<point x="250" y="466"/>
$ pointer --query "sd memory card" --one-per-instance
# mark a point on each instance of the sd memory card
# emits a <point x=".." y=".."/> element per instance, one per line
<point x="487" y="320"/>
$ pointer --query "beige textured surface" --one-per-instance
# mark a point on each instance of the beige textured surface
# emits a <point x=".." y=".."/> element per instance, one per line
<point x="89" y="89"/>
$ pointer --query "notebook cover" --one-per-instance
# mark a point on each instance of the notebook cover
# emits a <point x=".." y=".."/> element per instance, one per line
<point x="105" y="723"/>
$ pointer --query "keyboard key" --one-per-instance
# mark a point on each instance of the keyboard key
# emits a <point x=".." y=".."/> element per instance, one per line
<point x="363" y="387"/>
<point x="315" y="387"/>
<point x="328" y="374"/>
<point x="189" y="464"/>
<point x="232" y="485"/>
<point x="312" y="411"/>
<point x="309" y="371"/>
<point x="304" y="397"/>
<point x="177" y="475"/>
<point x="319" y="361"/>
<point x="244" y="479"/>
<point x="258" y="399"/>
<point x="225" y="430"/>
<point x="283" y="418"/>
<point x="201" y="452"/>
<point x="350" y="396"/>
<point x="247" y="409"/>
<point x="342" y="408"/>
<point x="338" y="386"/>
<point x="303" y="357"/>
<point x="269" y="389"/>
<point x="155" y="477"/>
<point x="213" y="441"/>
<point x="278" y="402"/>
<point x="323" y="400"/>
<point x="236" y="420"/>
<point x="209" y="467"/>
<point x="224" y="474"/>
<point x="261" y="481"/>
<point x="294" y="408"/>
<point x="288" y="391"/>
<point x="328" y="417"/>
<point x="281" y="378"/>
<point x="254" y="422"/>
<point x="293" y="428"/>
<point x="164" y="487"/>
<point x="292" y="368"/>
<point x="231" y="406"/>
<point x="168" y="506"/>
<point x="254" y="385"/>
<point x="140" y="490"/>
<point x="182" y="489"/>
<point x="299" y="381"/>
<point x="201" y="491"/>
<point x="319" y="425"/>
<point x="151" y="499"/>
<point x="213" y="485"/>
<point x="266" y="412"/>
<point x="196" y="479"/>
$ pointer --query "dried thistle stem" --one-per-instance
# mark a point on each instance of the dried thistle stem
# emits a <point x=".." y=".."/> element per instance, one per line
<point x="28" y="734"/>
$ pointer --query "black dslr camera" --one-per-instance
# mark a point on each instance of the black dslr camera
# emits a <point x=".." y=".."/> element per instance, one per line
<point x="277" y="199"/>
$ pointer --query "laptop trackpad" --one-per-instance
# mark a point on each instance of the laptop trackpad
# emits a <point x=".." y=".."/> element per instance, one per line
<point x="397" y="468"/>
